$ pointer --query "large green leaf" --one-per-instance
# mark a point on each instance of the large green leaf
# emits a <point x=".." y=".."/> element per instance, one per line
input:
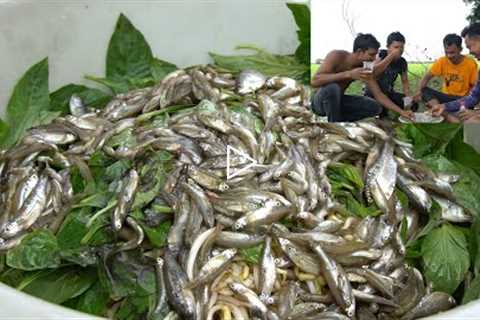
<point x="466" y="189"/>
<point x="252" y="255"/>
<point x="29" y="98"/>
<point x="94" y="300"/>
<point x="160" y="68"/>
<point x="60" y="285"/>
<point x="263" y="61"/>
<point x="128" y="55"/>
<point x="38" y="250"/>
<point x="463" y="153"/>
<point x="301" y="13"/>
<point x="59" y="99"/>
<point x="445" y="257"/>
<point x="428" y="139"/>
<point x="73" y="229"/>
<point x="3" y="130"/>
<point x="157" y="235"/>
<point x="473" y="291"/>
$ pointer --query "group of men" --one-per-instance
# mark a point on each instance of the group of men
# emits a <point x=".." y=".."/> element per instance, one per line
<point x="379" y="70"/>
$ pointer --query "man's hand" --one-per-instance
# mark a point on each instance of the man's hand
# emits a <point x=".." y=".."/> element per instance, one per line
<point x="408" y="114"/>
<point x="437" y="110"/>
<point x="396" y="53"/>
<point x="417" y="97"/>
<point x="361" y="74"/>
<point x="466" y="114"/>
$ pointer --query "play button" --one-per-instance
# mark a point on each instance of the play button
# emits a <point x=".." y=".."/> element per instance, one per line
<point x="230" y="151"/>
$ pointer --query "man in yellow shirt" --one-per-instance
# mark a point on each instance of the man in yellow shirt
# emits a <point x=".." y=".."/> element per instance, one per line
<point x="458" y="72"/>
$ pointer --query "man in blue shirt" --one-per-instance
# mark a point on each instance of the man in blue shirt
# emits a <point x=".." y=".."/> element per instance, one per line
<point x="463" y="107"/>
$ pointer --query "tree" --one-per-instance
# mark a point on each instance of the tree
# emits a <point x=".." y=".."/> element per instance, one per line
<point x="475" y="13"/>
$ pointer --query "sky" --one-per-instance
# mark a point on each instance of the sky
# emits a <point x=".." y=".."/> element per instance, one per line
<point x="424" y="23"/>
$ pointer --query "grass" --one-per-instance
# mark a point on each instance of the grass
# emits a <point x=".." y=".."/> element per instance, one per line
<point x="415" y="75"/>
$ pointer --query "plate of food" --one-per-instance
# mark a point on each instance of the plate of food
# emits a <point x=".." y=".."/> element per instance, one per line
<point x="422" y="117"/>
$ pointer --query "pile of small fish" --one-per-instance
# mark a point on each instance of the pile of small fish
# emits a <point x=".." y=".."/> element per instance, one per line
<point x="325" y="263"/>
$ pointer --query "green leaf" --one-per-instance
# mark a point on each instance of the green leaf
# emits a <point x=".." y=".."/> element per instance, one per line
<point x="428" y="139"/>
<point x="115" y="85"/>
<point x="3" y="131"/>
<point x="157" y="235"/>
<point x="475" y="246"/>
<point x="128" y="55"/>
<point x="83" y="256"/>
<point x="466" y="189"/>
<point x="38" y="250"/>
<point x="463" y="153"/>
<point x="116" y="170"/>
<point x="445" y="257"/>
<point x="30" y="97"/>
<point x="60" y="99"/>
<point x="45" y="117"/>
<point x="125" y="139"/>
<point x="60" y="285"/>
<point x="12" y="277"/>
<point x="263" y="61"/>
<point x="158" y="169"/>
<point x="131" y="276"/>
<point x="160" y="68"/>
<point x="73" y="229"/>
<point x="352" y="205"/>
<point x="252" y="255"/>
<point x="301" y="13"/>
<point x="346" y="173"/>
<point x="434" y="221"/>
<point x="473" y="292"/>
<point x="94" y="300"/>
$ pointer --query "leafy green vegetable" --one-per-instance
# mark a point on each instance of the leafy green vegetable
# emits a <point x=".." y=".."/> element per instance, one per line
<point x="60" y="285"/>
<point x="445" y="257"/>
<point x="157" y="235"/>
<point x="83" y="256"/>
<point x="463" y="153"/>
<point x="3" y="130"/>
<point x="94" y="300"/>
<point x="160" y="68"/>
<point x="12" y="277"/>
<point x="59" y="99"/>
<point x="357" y="208"/>
<point x="115" y="85"/>
<point x="129" y="55"/>
<point x="428" y="139"/>
<point x="29" y="98"/>
<point x="347" y="174"/>
<point x="252" y="255"/>
<point x="472" y="292"/>
<point x="38" y="250"/>
<point x="263" y="61"/>
<point x="157" y="169"/>
<point x="466" y="189"/>
<point x="73" y="229"/>
<point x="301" y="13"/>
<point x="116" y="170"/>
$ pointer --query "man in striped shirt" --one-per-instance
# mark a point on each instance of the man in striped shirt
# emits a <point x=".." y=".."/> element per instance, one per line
<point x="463" y="107"/>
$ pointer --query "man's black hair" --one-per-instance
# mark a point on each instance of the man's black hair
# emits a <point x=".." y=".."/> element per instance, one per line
<point x="364" y="42"/>
<point x="472" y="30"/>
<point x="395" y="36"/>
<point x="452" y="39"/>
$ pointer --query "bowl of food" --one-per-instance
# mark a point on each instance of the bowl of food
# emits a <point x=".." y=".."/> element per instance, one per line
<point x="422" y="117"/>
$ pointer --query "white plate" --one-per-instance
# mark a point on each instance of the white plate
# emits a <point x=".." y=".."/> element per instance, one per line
<point x="422" y="117"/>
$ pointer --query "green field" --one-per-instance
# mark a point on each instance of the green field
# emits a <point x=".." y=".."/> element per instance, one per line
<point x="415" y="74"/>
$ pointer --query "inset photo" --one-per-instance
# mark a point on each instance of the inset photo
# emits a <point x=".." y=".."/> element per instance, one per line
<point x="404" y="61"/>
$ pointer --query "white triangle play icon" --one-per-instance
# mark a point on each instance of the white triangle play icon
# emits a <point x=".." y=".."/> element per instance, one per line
<point x="232" y="150"/>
